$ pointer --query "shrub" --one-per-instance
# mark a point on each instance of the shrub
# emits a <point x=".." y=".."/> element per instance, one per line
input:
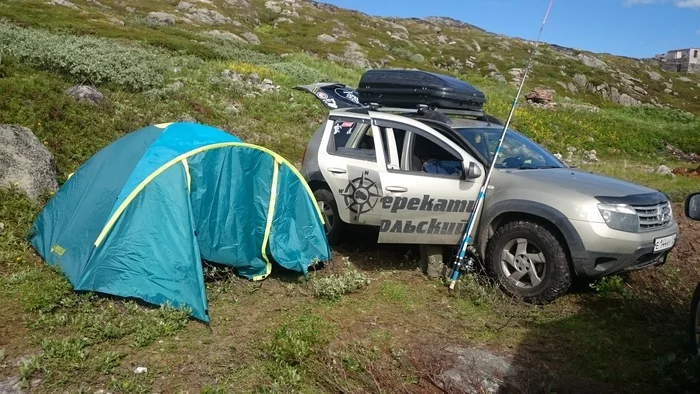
<point x="334" y="286"/>
<point x="98" y="60"/>
<point x="300" y="73"/>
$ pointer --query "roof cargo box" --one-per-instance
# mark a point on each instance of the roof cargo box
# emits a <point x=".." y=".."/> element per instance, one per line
<point x="413" y="88"/>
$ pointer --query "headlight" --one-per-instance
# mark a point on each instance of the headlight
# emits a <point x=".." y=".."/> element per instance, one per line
<point x="620" y="217"/>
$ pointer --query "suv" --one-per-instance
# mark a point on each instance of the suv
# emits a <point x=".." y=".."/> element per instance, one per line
<point x="390" y="156"/>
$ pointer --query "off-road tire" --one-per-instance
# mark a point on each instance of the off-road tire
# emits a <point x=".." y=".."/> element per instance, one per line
<point x="325" y="196"/>
<point x="693" y="321"/>
<point x="557" y="276"/>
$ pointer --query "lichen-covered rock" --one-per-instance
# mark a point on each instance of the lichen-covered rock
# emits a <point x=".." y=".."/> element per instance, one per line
<point x="251" y="38"/>
<point x="86" y="94"/>
<point x="161" y="18"/>
<point x="326" y="39"/>
<point x="25" y="162"/>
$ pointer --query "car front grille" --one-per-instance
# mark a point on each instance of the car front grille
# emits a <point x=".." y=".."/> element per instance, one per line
<point x="653" y="217"/>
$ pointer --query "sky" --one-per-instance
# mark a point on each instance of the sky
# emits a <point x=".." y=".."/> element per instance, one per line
<point x="635" y="28"/>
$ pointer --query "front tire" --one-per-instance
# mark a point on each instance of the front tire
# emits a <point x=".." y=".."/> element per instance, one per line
<point x="528" y="261"/>
<point x="694" y="322"/>
<point x="329" y="209"/>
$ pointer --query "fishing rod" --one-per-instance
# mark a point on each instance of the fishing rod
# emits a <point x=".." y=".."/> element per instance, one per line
<point x="461" y="260"/>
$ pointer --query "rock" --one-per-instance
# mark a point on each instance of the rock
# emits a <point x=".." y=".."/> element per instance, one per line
<point x="477" y="47"/>
<point x="251" y="38"/>
<point x="685" y="79"/>
<point x="640" y="90"/>
<point x="591" y="61"/>
<point x="130" y="9"/>
<point x="402" y="30"/>
<point x="540" y="96"/>
<point x="590" y="139"/>
<point x="654" y="76"/>
<point x="479" y="371"/>
<point x="669" y="85"/>
<point x="442" y="39"/>
<point x="283" y="20"/>
<point x="591" y="156"/>
<point x="232" y="109"/>
<point x="209" y="17"/>
<point x="175" y="85"/>
<point x="184" y="6"/>
<point x="239" y="3"/>
<point x="325" y="38"/>
<point x="492" y="67"/>
<point x="572" y="87"/>
<point x="272" y="5"/>
<point x="417" y="58"/>
<point x="12" y="385"/>
<point x="161" y="18"/>
<point x="116" y="21"/>
<point x="86" y="94"/>
<point x="626" y="100"/>
<point x="225" y="35"/>
<point x="668" y="91"/>
<point x="355" y="56"/>
<point x="97" y="3"/>
<point x="140" y="370"/>
<point x="64" y="3"/>
<point x="664" y="171"/>
<point x="581" y="80"/>
<point x="584" y="107"/>
<point x="26" y="162"/>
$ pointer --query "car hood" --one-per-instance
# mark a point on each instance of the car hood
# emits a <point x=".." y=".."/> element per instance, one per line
<point x="604" y="188"/>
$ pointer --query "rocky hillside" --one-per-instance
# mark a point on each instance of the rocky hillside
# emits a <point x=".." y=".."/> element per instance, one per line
<point x="358" y="40"/>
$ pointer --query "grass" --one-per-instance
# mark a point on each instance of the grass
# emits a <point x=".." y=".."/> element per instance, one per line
<point x="368" y="321"/>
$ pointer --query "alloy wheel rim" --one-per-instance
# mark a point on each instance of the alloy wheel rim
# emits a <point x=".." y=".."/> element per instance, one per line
<point x="523" y="263"/>
<point x="327" y="213"/>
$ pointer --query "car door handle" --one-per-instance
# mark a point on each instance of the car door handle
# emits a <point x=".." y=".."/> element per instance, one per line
<point x="337" y="170"/>
<point x="396" y="189"/>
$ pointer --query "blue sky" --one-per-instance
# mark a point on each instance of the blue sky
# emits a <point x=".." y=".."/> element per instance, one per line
<point x="637" y="28"/>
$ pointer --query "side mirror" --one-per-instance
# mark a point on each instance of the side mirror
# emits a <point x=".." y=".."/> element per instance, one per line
<point x="692" y="206"/>
<point x="472" y="171"/>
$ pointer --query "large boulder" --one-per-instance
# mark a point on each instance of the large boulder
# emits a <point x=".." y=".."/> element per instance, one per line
<point x="86" y="94"/>
<point x="26" y="162"/>
<point x="161" y="18"/>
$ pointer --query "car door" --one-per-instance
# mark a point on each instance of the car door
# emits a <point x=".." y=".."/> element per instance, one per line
<point x="429" y="188"/>
<point x="350" y="158"/>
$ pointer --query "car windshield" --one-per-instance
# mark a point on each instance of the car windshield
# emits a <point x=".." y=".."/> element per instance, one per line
<point x="517" y="151"/>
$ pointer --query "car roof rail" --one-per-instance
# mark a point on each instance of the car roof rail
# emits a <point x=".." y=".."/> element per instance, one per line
<point x="422" y="109"/>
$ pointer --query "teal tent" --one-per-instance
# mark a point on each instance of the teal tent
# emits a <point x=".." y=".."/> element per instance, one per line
<point x="137" y="219"/>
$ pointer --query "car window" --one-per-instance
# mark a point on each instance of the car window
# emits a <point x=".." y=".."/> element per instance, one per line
<point x="352" y="139"/>
<point x="428" y="157"/>
<point x="517" y="151"/>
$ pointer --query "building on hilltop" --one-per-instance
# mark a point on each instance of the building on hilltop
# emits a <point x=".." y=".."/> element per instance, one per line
<point x="682" y="60"/>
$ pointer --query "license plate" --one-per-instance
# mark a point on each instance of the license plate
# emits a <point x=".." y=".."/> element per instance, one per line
<point x="664" y="243"/>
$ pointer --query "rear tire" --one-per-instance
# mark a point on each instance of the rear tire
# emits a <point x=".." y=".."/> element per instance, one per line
<point x="334" y="226"/>
<point x="528" y="261"/>
<point x="694" y="322"/>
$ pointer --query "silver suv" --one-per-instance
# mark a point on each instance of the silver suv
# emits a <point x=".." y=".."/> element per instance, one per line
<point x="415" y="173"/>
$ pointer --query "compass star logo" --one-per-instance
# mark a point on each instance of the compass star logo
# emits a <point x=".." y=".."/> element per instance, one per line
<point x="361" y="194"/>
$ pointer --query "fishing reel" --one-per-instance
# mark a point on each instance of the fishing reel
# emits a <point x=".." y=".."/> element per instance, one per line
<point x="463" y="265"/>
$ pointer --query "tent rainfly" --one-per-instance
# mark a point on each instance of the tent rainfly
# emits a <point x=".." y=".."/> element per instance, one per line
<point x="139" y="216"/>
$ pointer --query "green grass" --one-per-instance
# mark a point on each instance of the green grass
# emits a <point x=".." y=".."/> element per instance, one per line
<point x="373" y="324"/>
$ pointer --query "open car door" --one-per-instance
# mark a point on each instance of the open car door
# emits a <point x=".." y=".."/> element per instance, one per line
<point x="334" y="95"/>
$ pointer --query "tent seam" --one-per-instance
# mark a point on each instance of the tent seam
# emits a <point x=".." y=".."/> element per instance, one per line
<point x="270" y="216"/>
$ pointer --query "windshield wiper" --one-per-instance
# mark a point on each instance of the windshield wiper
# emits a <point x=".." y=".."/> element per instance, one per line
<point x="531" y="167"/>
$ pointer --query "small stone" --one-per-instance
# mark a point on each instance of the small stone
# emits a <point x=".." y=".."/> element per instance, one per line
<point x="327" y="39"/>
<point x="64" y="3"/>
<point x="664" y="171"/>
<point x="140" y="370"/>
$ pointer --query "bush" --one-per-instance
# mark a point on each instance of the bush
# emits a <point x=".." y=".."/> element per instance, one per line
<point x="334" y="286"/>
<point x="98" y="60"/>
<point x="300" y="73"/>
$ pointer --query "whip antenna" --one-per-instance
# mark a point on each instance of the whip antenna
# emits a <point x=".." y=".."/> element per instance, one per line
<point x="460" y="259"/>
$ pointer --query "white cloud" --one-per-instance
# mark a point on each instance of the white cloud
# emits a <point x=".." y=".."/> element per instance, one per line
<point x="692" y="4"/>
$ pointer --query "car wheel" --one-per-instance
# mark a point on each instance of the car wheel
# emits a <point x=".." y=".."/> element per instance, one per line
<point x="695" y="322"/>
<point x="329" y="209"/>
<point x="528" y="261"/>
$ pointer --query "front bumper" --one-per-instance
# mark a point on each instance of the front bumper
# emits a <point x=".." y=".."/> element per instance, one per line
<point x="608" y="251"/>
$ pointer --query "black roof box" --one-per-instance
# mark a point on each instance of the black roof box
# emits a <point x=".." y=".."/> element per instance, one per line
<point x="415" y="88"/>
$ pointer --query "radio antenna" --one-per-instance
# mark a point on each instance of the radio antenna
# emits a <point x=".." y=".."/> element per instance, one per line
<point x="462" y="262"/>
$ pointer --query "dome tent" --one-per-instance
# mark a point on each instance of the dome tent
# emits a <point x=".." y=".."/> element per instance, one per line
<point x="139" y="216"/>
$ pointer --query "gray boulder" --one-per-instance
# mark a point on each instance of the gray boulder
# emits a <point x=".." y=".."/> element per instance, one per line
<point x="591" y="61"/>
<point x="161" y="18"/>
<point x="325" y="38"/>
<point x="224" y="35"/>
<point x="86" y="94"/>
<point x="26" y="162"/>
<point x="64" y="3"/>
<point x="252" y="38"/>
<point x="654" y="76"/>
<point x="581" y="80"/>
